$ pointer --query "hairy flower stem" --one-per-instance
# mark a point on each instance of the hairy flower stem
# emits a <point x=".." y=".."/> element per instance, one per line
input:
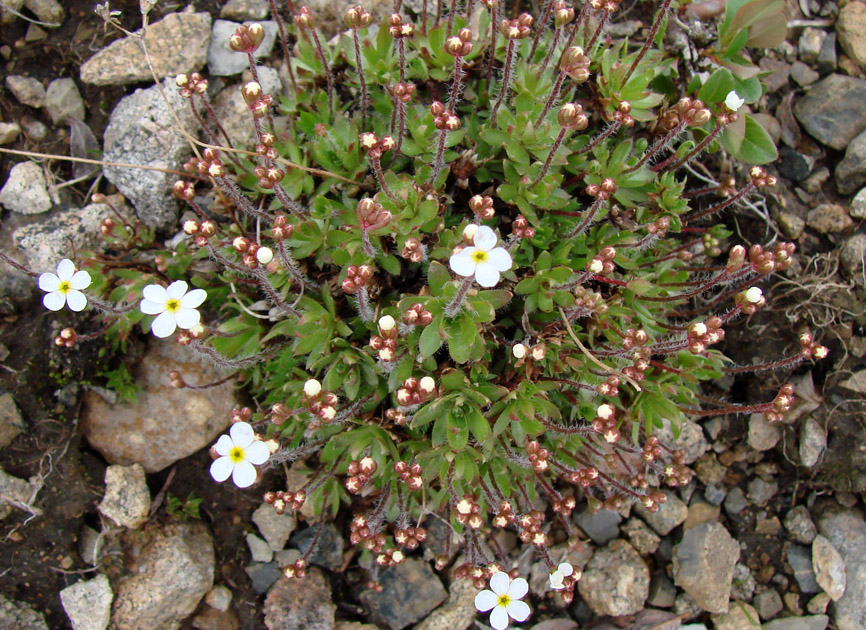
<point x="366" y="245"/>
<point x="456" y="84"/>
<point x="599" y="138"/>
<point x="494" y="20"/>
<point x="231" y="364"/>
<point x="213" y="139"/>
<point x="649" y="41"/>
<point x="454" y="305"/>
<point x="587" y="219"/>
<point x="604" y="17"/>
<point x="365" y="98"/>
<point x="554" y="94"/>
<point x="440" y="153"/>
<point x="401" y="51"/>
<point x="577" y="23"/>
<point x="657" y="146"/>
<point x="380" y="177"/>
<point x="690" y="155"/>
<point x="401" y="127"/>
<point x="293" y="269"/>
<point x="231" y="189"/>
<point x="550" y="51"/>
<point x="451" y="14"/>
<point x="553" y="149"/>
<point x="506" y="79"/>
<point x="273" y="294"/>
<point x="109" y="308"/>
<point x="328" y="75"/>
<point x="228" y="264"/>
<point x="538" y="32"/>
<point x="285" y="44"/>
<point x="364" y="309"/>
<point x="721" y="205"/>
<point x="738" y="409"/>
<point x="424" y="18"/>
<point x="438" y="13"/>
<point x="13" y="263"/>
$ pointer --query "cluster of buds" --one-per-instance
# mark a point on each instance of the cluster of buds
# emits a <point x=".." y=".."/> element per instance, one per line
<point x="183" y="190"/>
<point x="504" y="515"/>
<point x="520" y="228"/>
<point x="357" y="278"/>
<point x="564" y="506"/>
<point x="727" y="186"/>
<point x="175" y="378"/>
<point x="467" y="512"/>
<point x="529" y="526"/>
<point x="266" y="147"/>
<point x="397" y="416"/>
<point x="269" y="176"/>
<point x="361" y="531"/>
<point x="571" y="116"/>
<point x="602" y="263"/>
<point x="518" y="28"/>
<point x="410" y="475"/>
<point x="651" y="450"/>
<point x="416" y="391"/>
<point x="760" y="260"/>
<point x="385" y="343"/>
<point x="537" y="456"/>
<point x="563" y="579"/>
<point x="460" y="45"/>
<point x="610" y="6"/>
<point x="537" y="353"/>
<point x="610" y="387"/>
<point x="321" y="404"/>
<point x="281" y="501"/>
<point x="258" y="102"/>
<point x="575" y="63"/>
<point x="660" y="226"/>
<point x="443" y="118"/>
<point x="186" y="337"/>
<point x="563" y="14"/>
<point x="360" y="472"/>
<point x="588" y="301"/>
<point x="244" y="414"/>
<point x="781" y="404"/>
<point x="252" y="254"/>
<point x="247" y="38"/>
<point x="634" y="338"/>
<point x="398" y="28"/>
<point x="413" y="250"/>
<point x="304" y="18"/>
<point x="676" y="473"/>
<point x="282" y="229"/>
<point x="750" y="300"/>
<point x="297" y="569"/>
<point x="652" y="500"/>
<point x="640" y="364"/>
<point x="410" y="537"/>
<point x="390" y="558"/>
<point x="191" y="84"/>
<point x="374" y="146"/>
<point x="584" y="477"/>
<point x="809" y="348"/>
<point x="604" y="423"/>
<point x="371" y="215"/>
<point x="622" y="114"/>
<point x="602" y="191"/>
<point x="403" y="92"/>
<point x="209" y="165"/>
<point x="478" y="575"/>
<point x="66" y="338"/>
<point x="106" y="228"/>
<point x="711" y="245"/>
<point x="482" y="206"/>
<point x="417" y="315"/>
<point x="357" y="17"/>
<point x="692" y="111"/>
<point x="703" y="334"/>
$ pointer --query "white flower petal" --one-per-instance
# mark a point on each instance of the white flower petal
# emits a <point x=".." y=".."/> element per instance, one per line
<point x="176" y="289"/>
<point x="76" y="300"/>
<point x="151" y="308"/>
<point x="517" y="610"/>
<point x="462" y="263"/>
<point x="65" y="269"/>
<point x="49" y="282"/>
<point x="486" y="275"/>
<point x="499" y="583"/>
<point x="499" y="258"/>
<point x="485" y="238"/>
<point x="242" y="434"/>
<point x="556" y="580"/>
<point x="193" y="299"/>
<point x="186" y="318"/>
<point x="485" y="600"/>
<point x="164" y="325"/>
<point x="80" y="280"/>
<point x="499" y="618"/>
<point x="54" y="301"/>
<point x="244" y="475"/>
<point x="221" y="468"/>
<point x="257" y="453"/>
<point x="518" y="589"/>
<point x="155" y="293"/>
<point x="224" y="445"/>
<point x="565" y="568"/>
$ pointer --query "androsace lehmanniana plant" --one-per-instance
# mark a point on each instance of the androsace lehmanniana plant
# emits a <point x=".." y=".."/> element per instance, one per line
<point x="491" y="270"/>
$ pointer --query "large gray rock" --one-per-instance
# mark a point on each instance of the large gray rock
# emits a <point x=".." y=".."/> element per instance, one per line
<point x="815" y="622"/>
<point x="851" y="30"/>
<point x="18" y="493"/>
<point x="829" y="568"/>
<point x="300" y="604"/>
<point x="141" y="131"/>
<point x="88" y="603"/>
<point x="127" y="499"/>
<point x="222" y="61"/>
<point x="615" y="581"/>
<point x="276" y="528"/>
<point x="27" y="90"/>
<point x="852" y="257"/>
<point x="800" y="559"/>
<point x="846" y="530"/>
<point x="799" y="524"/>
<point x="741" y="616"/>
<point x="457" y="612"/>
<point x="164" y="424"/>
<point x="177" y="44"/>
<point x="26" y="190"/>
<point x="832" y="110"/>
<point x="63" y="101"/>
<point x="671" y="513"/>
<point x="11" y="422"/>
<point x="19" y="616"/>
<point x="167" y="580"/>
<point x="601" y="526"/>
<point x="691" y="439"/>
<point x="410" y="591"/>
<point x="851" y="171"/>
<point x="763" y="435"/>
<point x="704" y="565"/>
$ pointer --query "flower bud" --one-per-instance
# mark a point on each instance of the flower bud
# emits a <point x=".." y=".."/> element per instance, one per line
<point x="427" y="385"/>
<point x="386" y="323"/>
<point x="312" y="388"/>
<point x="519" y="350"/>
<point x="264" y="255"/>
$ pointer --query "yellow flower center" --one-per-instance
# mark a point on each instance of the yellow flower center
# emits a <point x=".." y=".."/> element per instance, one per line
<point x="479" y="256"/>
<point x="504" y="600"/>
<point x="236" y="454"/>
<point x="172" y="305"/>
<point x="64" y="287"/>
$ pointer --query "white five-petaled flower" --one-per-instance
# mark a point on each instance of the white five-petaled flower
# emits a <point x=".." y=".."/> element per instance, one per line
<point x="754" y="295"/>
<point x="64" y="287"/>
<point x="733" y="101"/>
<point x="483" y="258"/>
<point x="557" y="577"/>
<point x="174" y="307"/>
<point x="504" y="600"/>
<point x="238" y="452"/>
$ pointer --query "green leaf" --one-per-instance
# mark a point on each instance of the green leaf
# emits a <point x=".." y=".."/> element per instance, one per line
<point x="717" y="87"/>
<point x="430" y="340"/>
<point x="478" y="424"/>
<point x="437" y="276"/>
<point x="757" y="146"/>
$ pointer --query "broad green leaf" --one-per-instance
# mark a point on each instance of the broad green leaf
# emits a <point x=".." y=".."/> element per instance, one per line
<point x="717" y="87"/>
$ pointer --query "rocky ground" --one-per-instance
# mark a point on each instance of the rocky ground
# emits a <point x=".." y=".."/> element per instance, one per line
<point x="108" y="515"/>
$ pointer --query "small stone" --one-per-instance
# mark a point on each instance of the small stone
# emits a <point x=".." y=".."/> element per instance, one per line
<point x="827" y="57"/>
<point x="410" y="591"/>
<point x="816" y="622"/>
<point x="851" y="31"/>
<point x="691" y="439"/>
<point x="799" y="524"/>
<point x="829" y="568"/>
<point x="222" y="61"/>
<point x="669" y="515"/>
<point x="792" y="603"/>
<point x="276" y="528"/>
<point x="89" y="545"/>
<point x="831" y="111"/>
<point x="800" y="559"/>
<point x="743" y="584"/>
<point x="709" y="470"/>
<point x="810" y="44"/>
<point x="851" y="171"/>
<point x="852" y="257"/>
<point x="829" y="218"/>
<point x="259" y="549"/>
<point x="11" y="422"/>
<point x="219" y="598"/>
<point x="262" y="575"/>
<point x="26" y="190"/>
<point x="212" y="619"/>
<point x="457" y="612"/>
<point x="768" y="526"/>
<point x="813" y="441"/>
<point x="803" y="74"/>
<point x="240" y="10"/>
<point x="127" y="498"/>
<point x="715" y="493"/>
<point x="63" y="101"/>
<point x="735" y="502"/>
<point x="763" y="435"/>
<point x="88" y="603"/>
<point x="49" y="11"/>
<point x="9" y="132"/>
<point x="818" y="604"/>
<point x="858" y="205"/>
<point x="601" y="527"/>
<point x="779" y="73"/>
<point x="34" y="34"/>
<point x="794" y="165"/>
<point x="302" y="604"/>
<point x="615" y="581"/>
<point x="815" y="181"/>
<point x="792" y="226"/>
<point x="760" y="491"/>
<point x="34" y="129"/>
<point x="662" y="592"/>
<point x="641" y="537"/>
<point x="741" y="616"/>
<point x="768" y="604"/>
<point x="27" y="90"/>
<point x="701" y="512"/>
<point x="19" y="616"/>
<point x="704" y="564"/>
<point x="329" y="551"/>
